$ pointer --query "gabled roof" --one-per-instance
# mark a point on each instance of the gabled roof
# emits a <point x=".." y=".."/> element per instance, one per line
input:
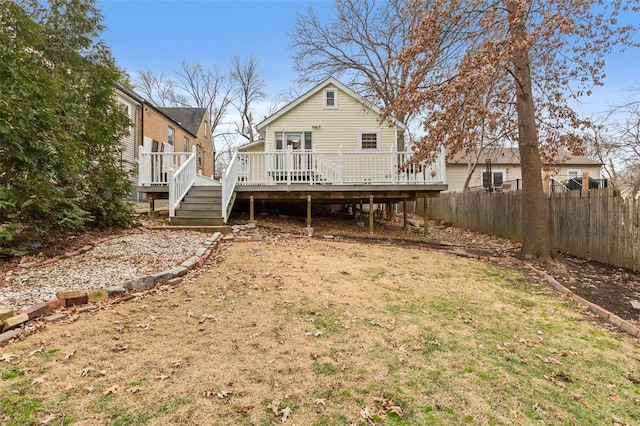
<point x="319" y="87"/>
<point x="129" y="92"/>
<point x="511" y="156"/>
<point x="189" y="118"/>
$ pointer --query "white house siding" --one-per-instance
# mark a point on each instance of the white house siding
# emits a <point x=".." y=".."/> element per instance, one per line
<point x="332" y="127"/>
<point x="129" y="140"/>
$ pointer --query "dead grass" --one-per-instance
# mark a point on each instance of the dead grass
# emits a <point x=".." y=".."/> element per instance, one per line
<point x="325" y="333"/>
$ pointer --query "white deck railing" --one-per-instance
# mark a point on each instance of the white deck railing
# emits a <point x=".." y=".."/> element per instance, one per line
<point x="153" y="167"/>
<point x="341" y="168"/>
<point x="180" y="181"/>
<point x="229" y="181"/>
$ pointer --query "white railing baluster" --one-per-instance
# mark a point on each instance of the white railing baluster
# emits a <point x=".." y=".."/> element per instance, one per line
<point x="311" y="167"/>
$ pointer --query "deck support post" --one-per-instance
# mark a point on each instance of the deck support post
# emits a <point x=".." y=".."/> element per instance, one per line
<point x="152" y="207"/>
<point x="251" y="209"/>
<point x="371" y="214"/>
<point x="308" y="211"/>
<point x="425" y="206"/>
<point x="404" y="214"/>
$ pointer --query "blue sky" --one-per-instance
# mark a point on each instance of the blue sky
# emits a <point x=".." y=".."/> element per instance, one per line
<point x="157" y="35"/>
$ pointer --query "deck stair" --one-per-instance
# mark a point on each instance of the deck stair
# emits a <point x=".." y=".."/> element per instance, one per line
<point x="201" y="206"/>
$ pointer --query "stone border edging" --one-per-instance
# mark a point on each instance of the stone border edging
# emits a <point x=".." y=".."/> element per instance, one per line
<point x="10" y="320"/>
<point x="622" y="324"/>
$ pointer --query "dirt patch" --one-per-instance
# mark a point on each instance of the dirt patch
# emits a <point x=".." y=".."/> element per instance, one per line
<point x="287" y="329"/>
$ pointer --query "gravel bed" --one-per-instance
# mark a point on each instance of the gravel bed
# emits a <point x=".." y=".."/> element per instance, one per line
<point x="107" y="264"/>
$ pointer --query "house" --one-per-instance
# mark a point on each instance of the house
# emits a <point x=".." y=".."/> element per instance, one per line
<point x="164" y="130"/>
<point x="506" y="172"/>
<point x="328" y="146"/>
<point x="130" y="103"/>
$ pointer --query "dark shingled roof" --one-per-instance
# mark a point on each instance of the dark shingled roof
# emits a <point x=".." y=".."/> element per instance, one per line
<point x="189" y="118"/>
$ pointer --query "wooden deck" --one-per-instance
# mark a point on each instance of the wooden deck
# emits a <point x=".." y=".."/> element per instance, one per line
<point x="382" y="193"/>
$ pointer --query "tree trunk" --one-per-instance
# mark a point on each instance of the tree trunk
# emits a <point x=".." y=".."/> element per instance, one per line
<point x="536" y="240"/>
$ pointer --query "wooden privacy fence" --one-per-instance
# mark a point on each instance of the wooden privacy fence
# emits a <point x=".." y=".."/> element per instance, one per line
<point x="599" y="225"/>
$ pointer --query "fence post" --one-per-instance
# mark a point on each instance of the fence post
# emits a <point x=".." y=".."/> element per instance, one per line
<point x="545" y="184"/>
<point x="426" y="216"/>
<point x="371" y="214"/>
<point x="308" y="211"/>
<point x="251" y="209"/>
<point x="585" y="184"/>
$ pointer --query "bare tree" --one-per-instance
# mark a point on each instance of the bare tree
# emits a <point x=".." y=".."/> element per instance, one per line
<point x="359" y="43"/>
<point x="548" y="51"/>
<point x="205" y="88"/>
<point x="248" y="87"/>
<point x="158" y="88"/>
<point x="616" y="143"/>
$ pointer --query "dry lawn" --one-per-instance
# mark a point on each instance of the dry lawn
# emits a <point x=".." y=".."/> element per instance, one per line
<point x="318" y="332"/>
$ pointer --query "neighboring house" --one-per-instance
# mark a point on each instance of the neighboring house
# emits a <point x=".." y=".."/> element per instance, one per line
<point x="167" y="130"/>
<point x="506" y="172"/>
<point x="130" y="103"/>
<point x="195" y="122"/>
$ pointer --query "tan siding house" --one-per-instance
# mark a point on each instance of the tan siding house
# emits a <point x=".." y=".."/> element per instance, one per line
<point x="340" y="125"/>
<point x="506" y="170"/>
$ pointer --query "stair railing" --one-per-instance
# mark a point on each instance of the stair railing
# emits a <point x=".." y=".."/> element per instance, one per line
<point x="181" y="180"/>
<point x="229" y="180"/>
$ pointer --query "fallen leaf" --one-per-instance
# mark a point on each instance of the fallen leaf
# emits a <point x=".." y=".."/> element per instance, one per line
<point x="49" y="419"/>
<point x="119" y="348"/>
<point x="111" y="391"/>
<point x="320" y="401"/>
<point x="366" y="414"/>
<point x="286" y="413"/>
<point x="67" y="333"/>
<point x="135" y="389"/>
<point x="162" y="377"/>
<point x="36" y="351"/>
<point x="223" y="394"/>
<point x="190" y="313"/>
<point x="85" y="371"/>
<point x="275" y="407"/>
<point x="38" y="381"/>
<point x="7" y="357"/>
<point x="176" y="362"/>
<point x="69" y="355"/>
<point x="244" y="410"/>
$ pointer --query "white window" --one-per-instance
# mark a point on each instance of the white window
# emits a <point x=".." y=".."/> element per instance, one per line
<point x="496" y="180"/>
<point x="171" y="135"/>
<point x="574" y="173"/>
<point x="206" y="128"/>
<point x="369" y="140"/>
<point x="185" y="144"/>
<point x="295" y="140"/>
<point x="330" y="98"/>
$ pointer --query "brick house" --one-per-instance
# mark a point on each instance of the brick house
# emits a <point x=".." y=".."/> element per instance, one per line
<point x="164" y="130"/>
